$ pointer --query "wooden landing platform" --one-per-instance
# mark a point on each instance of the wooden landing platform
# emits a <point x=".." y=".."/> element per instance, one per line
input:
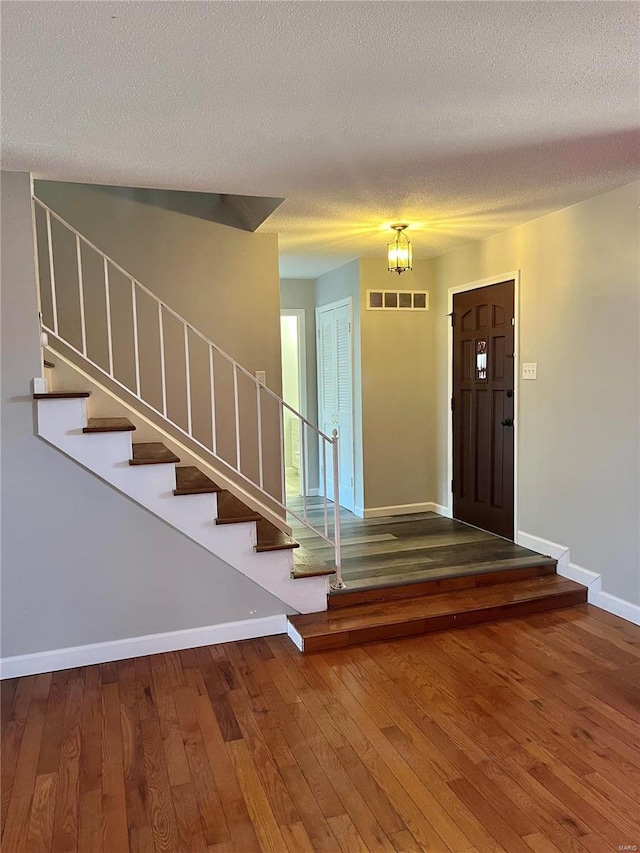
<point x="362" y="623"/>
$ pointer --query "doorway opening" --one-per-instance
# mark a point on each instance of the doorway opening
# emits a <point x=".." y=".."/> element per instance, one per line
<point x="483" y="386"/>
<point x="334" y="328"/>
<point x="294" y="392"/>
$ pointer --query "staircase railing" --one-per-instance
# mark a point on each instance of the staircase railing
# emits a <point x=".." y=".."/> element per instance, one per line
<point x="328" y="446"/>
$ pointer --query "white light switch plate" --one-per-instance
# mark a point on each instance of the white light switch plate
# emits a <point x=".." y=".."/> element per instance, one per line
<point x="261" y="376"/>
<point x="530" y="370"/>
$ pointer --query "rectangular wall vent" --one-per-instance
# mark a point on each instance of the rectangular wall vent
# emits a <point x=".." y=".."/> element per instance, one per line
<point x="397" y="300"/>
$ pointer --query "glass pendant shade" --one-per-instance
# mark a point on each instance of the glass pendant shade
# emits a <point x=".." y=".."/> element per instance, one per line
<point x="399" y="254"/>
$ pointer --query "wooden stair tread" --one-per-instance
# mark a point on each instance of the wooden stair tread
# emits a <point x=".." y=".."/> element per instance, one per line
<point x="307" y="565"/>
<point x="233" y="511"/>
<point x="48" y="364"/>
<point x="433" y="612"/>
<point x="297" y="575"/>
<point x="108" y="425"/>
<point x="271" y="538"/>
<point x="62" y="395"/>
<point x="419" y="583"/>
<point x="434" y="605"/>
<point x="191" y="481"/>
<point x="152" y="453"/>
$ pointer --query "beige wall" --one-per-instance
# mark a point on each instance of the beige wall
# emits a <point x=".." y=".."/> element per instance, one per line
<point x="222" y="280"/>
<point x="397" y="395"/>
<point x="81" y="563"/>
<point x="393" y="395"/>
<point x="579" y="477"/>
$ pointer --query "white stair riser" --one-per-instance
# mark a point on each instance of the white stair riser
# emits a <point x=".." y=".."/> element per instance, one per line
<point x="107" y="455"/>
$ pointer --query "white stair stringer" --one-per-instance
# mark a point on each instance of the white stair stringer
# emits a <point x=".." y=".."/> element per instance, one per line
<point x="60" y="423"/>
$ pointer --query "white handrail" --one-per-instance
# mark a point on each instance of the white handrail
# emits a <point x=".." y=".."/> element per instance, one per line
<point x="237" y="370"/>
<point x="163" y="369"/>
<point x="179" y="317"/>
<point x="83" y="326"/>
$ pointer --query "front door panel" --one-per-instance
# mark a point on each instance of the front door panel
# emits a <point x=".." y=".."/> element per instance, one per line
<point x="483" y="407"/>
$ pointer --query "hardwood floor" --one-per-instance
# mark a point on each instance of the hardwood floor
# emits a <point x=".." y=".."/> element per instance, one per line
<point x="405" y="549"/>
<point x="520" y="736"/>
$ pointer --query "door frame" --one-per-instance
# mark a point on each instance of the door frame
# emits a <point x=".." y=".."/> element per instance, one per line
<point x="340" y="303"/>
<point x="301" y="316"/>
<point x="462" y="288"/>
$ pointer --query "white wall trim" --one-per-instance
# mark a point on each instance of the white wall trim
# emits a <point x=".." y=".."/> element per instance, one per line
<point x="442" y="510"/>
<point x="592" y="580"/>
<point x="543" y="546"/>
<point x="346" y="302"/>
<point x="398" y="509"/>
<point x="617" y="606"/>
<point x="295" y="636"/>
<point x="151" y="644"/>
<point x="462" y="288"/>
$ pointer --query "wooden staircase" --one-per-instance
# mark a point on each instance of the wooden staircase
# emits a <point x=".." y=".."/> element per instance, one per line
<point x="189" y="481"/>
<point x="391" y="612"/>
<point x="361" y="615"/>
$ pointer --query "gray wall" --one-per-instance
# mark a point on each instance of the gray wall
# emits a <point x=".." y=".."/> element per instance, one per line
<point x="300" y="293"/>
<point x="579" y="443"/>
<point x="222" y="280"/>
<point x="80" y="562"/>
<point x="331" y="287"/>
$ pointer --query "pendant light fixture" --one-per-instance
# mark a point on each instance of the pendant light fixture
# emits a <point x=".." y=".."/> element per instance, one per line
<point x="400" y="254"/>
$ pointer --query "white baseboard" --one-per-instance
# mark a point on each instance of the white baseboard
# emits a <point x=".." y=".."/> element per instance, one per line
<point x="579" y="575"/>
<point x="397" y="509"/>
<point x="442" y="510"/>
<point x="295" y="636"/>
<point x="151" y="644"/>
<point x="617" y="606"/>
<point x="543" y="546"/>
<point x="592" y="580"/>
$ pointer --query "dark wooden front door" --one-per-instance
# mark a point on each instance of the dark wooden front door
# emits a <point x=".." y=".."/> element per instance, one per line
<point x="483" y="407"/>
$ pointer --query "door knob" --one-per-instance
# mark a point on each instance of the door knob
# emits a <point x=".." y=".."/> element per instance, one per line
<point x="507" y="422"/>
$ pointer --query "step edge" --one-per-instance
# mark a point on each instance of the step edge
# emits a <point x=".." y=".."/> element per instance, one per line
<point x="63" y="395"/>
<point x="579" y="590"/>
<point x="90" y="429"/>
<point x="285" y="546"/>
<point x="314" y="642"/>
<point x="238" y="519"/>
<point x="136" y="462"/>
<point x="336" y="595"/>
<point x="181" y="492"/>
<point x="174" y="460"/>
<point x="317" y="573"/>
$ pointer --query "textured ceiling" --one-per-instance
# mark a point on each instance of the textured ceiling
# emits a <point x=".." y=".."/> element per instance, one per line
<point x="461" y="118"/>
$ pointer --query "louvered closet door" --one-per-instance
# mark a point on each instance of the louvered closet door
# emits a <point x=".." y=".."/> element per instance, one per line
<point x="335" y="393"/>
